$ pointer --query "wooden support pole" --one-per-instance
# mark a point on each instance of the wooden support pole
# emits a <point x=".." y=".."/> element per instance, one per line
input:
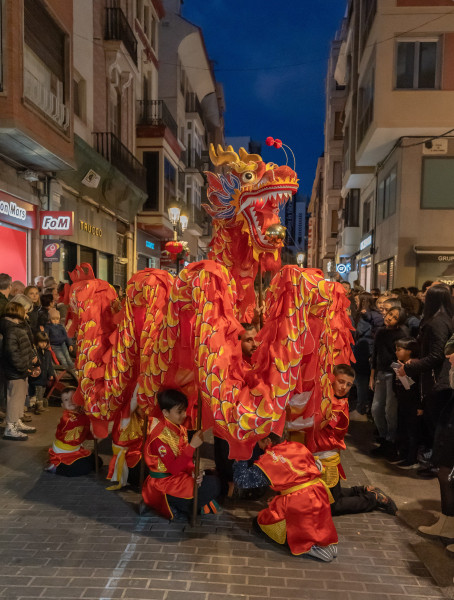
<point x="196" y="464"/>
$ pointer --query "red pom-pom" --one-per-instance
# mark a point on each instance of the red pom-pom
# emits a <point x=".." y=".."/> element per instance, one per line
<point x="269" y="141"/>
<point x="277" y="143"/>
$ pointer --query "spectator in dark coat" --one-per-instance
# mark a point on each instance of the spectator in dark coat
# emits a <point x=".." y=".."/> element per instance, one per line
<point x="5" y="289"/>
<point x="32" y="292"/>
<point x="17" y="360"/>
<point x="433" y="367"/>
<point x="47" y="302"/>
<point x="37" y="385"/>
<point x="367" y="321"/>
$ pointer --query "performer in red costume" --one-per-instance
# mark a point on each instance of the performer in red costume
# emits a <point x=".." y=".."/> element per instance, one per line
<point x="67" y="456"/>
<point x="169" y="487"/>
<point x="299" y="514"/>
<point x="327" y="445"/>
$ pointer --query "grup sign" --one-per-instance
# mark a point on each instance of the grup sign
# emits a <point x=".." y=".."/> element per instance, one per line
<point x="55" y="222"/>
<point x="16" y="211"/>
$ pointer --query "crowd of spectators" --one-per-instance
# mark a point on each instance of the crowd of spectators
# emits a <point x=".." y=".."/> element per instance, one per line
<point x="404" y="353"/>
<point x="33" y="340"/>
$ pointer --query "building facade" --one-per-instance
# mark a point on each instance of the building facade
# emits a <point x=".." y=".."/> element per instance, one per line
<point x="396" y="65"/>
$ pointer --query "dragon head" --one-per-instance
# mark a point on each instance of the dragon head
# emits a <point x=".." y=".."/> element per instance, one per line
<point x="250" y="196"/>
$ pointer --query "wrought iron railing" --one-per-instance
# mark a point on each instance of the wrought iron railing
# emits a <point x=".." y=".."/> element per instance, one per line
<point x="118" y="28"/>
<point x="112" y="149"/>
<point x="43" y="98"/>
<point x="155" y="112"/>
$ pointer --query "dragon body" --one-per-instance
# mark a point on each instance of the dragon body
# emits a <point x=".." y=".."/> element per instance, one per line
<point x="183" y="331"/>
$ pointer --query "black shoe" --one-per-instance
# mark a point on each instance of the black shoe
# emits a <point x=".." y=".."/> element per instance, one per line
<point x="429" y="472"/>
<point x="383" y="501"/>
<point x="380" y="451"/>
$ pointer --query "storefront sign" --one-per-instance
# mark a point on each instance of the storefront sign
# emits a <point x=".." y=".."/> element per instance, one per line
<point x="16" y="211"/>
<point x="55" y="222"/>
<point x="366" y="242"/>
<point x="51" y="251"/>
<point x="343" y="268"/>
<point x="149" y="244"/>
<point x="91" y="229"/>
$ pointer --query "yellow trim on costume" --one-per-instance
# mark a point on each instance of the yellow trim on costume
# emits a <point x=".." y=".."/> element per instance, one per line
<point x="65" y="447"/>
<point x="331" y="472"/>
<point x="276" y="531"/>
<point x="120" y="453"/>
<point x="301" y="486"/>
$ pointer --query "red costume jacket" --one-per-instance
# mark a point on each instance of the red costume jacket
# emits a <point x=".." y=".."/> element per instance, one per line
<point x="301" y="512"/>
<point x="169" y="459"/>
<point x="72" y="430"/>
<point x="329" y="441"/>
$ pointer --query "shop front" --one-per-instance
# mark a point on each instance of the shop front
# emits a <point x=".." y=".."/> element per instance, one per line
<point x="17" y="219"/>
<point x="94" y="241"/>
<point x="364" y="262"/>
<point x="434" y="264"/>
<point x="148" y="251"/>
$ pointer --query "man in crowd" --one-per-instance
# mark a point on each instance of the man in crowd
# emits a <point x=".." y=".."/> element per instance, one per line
<point x="5" y="290"/>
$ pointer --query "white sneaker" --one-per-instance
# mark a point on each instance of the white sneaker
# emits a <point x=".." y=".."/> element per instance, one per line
<point x="25" y="428"/>
<point x="13" y="433"/>
<point x="356" y="416"/>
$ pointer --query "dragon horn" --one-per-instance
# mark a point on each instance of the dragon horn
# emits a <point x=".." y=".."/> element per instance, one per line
<point x="248" y="158"/>
<point x="223" y="157"/>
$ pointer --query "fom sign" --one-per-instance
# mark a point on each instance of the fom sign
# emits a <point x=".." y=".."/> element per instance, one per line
<point x="55" y="222"/>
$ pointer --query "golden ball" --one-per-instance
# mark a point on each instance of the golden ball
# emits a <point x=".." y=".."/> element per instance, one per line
<point x="276" y="232"/>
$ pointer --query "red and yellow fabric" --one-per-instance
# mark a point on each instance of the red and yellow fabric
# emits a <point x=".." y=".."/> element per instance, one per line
<point x="300" y="514"/>
<point x="127" y="441"/>
<point x="168" y="457"/>
<point x="72" y="430"/>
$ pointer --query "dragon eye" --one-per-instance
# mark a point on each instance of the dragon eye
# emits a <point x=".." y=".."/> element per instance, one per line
<point x="248" y="177"/>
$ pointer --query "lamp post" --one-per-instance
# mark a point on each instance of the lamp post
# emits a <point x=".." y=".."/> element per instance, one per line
<point x="300" y="258"/>
<point x="179" y="222"/>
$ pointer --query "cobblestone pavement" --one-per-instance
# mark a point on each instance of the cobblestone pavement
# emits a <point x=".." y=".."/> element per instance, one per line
<point x="70" y="538"/>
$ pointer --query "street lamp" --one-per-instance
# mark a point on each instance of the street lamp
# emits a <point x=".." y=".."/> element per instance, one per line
<point x="300" y="258"/>
<point x="180" y="223"/>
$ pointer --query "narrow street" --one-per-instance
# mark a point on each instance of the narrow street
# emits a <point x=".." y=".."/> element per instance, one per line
<point x="70" y="538"/>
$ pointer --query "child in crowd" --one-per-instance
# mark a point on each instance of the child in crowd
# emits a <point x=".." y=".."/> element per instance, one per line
<point x="169" y="487"/>
<point x="60" y="342"/>
<point x="37" y="385"/>
<point x="67" y="456"/>
<point x="384" y="404"/>
<point x="409" y="407"/>
<point x="299" y="515"/>
<point x="329" y="441"/>
<point x="47" y="302"/>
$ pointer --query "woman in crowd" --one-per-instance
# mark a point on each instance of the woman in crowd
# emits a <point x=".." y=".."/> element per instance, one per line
<point x="32" y="293"/>
<point x="17" y="361"/>
<point x="433" y="367"/>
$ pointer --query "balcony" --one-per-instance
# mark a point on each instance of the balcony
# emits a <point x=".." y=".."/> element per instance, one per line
<point x="118" y="28"/>
<point x="156" y="114"/>
<point x="193" y="105"/>
<point x="111" y="148"/>
<point x="45" y="100"/>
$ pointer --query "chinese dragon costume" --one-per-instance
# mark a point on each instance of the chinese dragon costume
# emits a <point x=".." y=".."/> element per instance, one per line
<point x="183" y="331"/>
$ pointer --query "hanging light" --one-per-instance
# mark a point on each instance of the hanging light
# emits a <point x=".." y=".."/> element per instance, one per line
<point x="184" y="222"/>
<point x="300" y="258"/>
<point x="174" y="213"/>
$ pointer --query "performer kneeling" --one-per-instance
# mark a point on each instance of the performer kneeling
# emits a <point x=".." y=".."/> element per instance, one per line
<point x="67" y="456"/>
<point x="169" y="487"/>
<point x="300" y="514"/>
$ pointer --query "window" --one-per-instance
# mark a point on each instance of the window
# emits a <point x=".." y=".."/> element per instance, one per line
<point x="139" y="9"/>
<point x="366" y="103"/>
<point x="368" y="11"/>
<point x="151" y="163"/>
<point x="334" y="223"/>
<point x="387" y="191"/>
<point x="170" y="176"/>
<point x="352" y="208"/>
<point x="367" y="224"/>
<point x="384" y="275"/>
<point x="416" y="65"/>
<point x="338" y="124"/>
<point x="79" y="96"/>
<point x="437" y="189"/>
<point x="337" y="175"/>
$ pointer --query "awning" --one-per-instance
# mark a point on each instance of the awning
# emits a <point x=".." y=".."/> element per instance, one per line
<point x="440" y="250"/>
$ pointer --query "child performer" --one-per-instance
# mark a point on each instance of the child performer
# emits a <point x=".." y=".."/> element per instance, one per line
<point x="329" y="441"/>
<point x="67" y="456"/>
<point x="169" y="487"/>
<point x="37" y="385"/>
<point x="299" y="514"/>
<point x="409" y="407"/>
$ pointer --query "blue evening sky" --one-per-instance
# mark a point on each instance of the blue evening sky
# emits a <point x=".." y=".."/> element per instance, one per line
<point x="271" y="58"/>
